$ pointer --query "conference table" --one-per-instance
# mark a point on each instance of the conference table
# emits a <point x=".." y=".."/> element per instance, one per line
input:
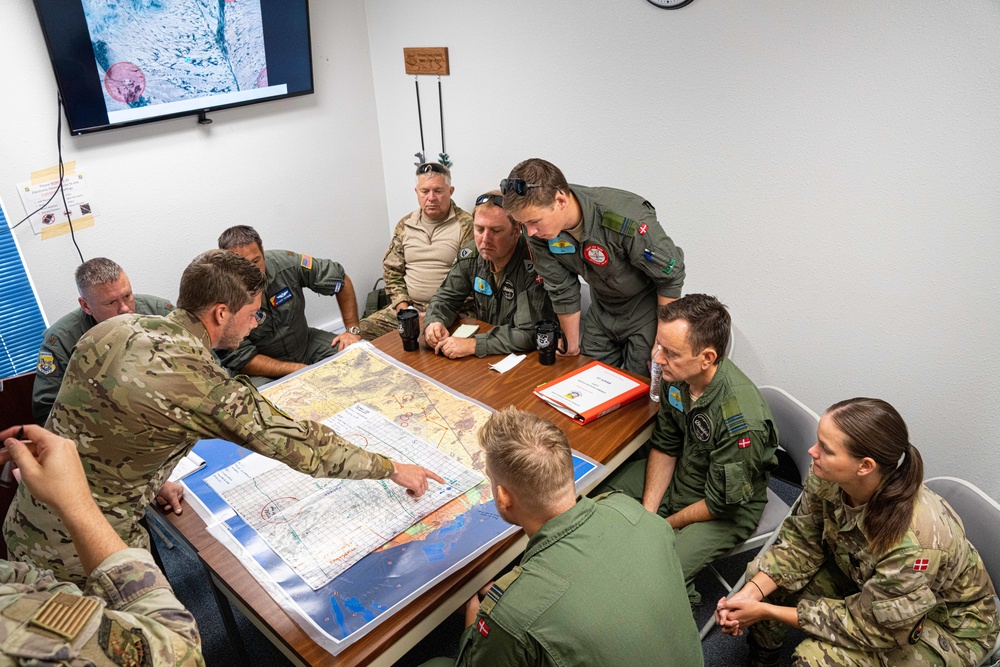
<point x="609" y="440"/>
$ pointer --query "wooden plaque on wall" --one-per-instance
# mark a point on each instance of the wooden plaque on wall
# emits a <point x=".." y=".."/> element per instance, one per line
<point x="429" y="60"/>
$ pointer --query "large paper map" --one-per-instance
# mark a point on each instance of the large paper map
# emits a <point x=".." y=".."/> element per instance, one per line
<point x="321" y="527"/>
<point x="354" y="602"/>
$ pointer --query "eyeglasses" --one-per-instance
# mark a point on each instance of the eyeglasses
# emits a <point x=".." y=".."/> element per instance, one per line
<point x="260" y="315"/>
<point x="496" y="199"/>
<point x="432" y="166"/>
<point x="518" y="185"/>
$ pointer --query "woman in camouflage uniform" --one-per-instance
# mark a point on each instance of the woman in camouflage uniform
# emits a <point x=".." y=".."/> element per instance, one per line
<point x="876" y="566"/>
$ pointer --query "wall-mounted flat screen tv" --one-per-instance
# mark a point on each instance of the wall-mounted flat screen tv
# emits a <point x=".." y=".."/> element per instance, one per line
<point x="123" y="62"/>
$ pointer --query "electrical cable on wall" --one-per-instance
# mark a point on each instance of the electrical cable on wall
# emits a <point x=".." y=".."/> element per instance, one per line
<point x="59" y="189"/>
<point x="420" y="120"/>
<point x="443" y="155"/>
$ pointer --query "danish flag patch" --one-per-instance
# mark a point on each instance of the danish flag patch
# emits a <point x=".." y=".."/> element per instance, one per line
<point x="484" y="629"/>
<point x="921" y="564"/>
<point x="743" y="443"/>
<point x="643" y="228"/>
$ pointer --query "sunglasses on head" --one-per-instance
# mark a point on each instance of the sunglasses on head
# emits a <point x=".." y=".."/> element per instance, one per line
<point x="518" y="185"/>
<point x="482" y="199"/>
<point x="432" y="166"/>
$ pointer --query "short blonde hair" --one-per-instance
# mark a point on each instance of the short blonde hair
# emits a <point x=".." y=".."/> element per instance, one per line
<point x="529" y="455"/>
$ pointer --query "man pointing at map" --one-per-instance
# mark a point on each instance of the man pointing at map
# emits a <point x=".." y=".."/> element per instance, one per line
<point x="141" y="390"/>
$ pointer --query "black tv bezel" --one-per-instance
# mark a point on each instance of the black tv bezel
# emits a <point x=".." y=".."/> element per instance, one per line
<point x="78" y="131"/>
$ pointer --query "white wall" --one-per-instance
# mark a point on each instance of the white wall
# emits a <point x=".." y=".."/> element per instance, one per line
<point x="832" y="171"/>
<point x="304" y="172"/>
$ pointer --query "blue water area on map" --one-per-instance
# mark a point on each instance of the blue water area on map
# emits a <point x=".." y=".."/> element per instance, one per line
<point x="378" y="581"/>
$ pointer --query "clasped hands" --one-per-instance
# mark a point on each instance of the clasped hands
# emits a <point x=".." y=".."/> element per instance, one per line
<point x="734" y="615"/>
<point x="436" y="335"/>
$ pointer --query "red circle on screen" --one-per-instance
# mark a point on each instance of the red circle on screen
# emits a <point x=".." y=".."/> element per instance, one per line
<point x="125" y="82"/>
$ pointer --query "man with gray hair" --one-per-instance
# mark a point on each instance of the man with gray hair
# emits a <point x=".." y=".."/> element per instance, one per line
<point x="599" y="583"/>
<point x="424" y="245"/>
<point x="105" y="292"/>
<point x="141" y="391"/>
<point x="284" y="342"/>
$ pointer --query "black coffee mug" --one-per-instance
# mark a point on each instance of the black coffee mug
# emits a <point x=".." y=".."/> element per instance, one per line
<point x="547" y="337"/>
<point x="409" y="328"/>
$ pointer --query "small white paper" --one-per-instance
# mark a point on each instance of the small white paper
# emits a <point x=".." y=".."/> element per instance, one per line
<point x="465" y="331"/>
<point x="187" y="465"/>
<point x="507" y="363"/>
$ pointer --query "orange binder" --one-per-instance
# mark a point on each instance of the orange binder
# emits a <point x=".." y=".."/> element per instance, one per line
<point x="591" y="391"/>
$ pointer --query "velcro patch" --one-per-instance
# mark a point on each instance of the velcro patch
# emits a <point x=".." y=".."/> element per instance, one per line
<point x="921" y="564"/>
<point x="280" y="298"/>
<point x="126" y="647"/>
<point x="619" y="223"/>
<point x="65" y="614"/>
<point x="743" y="443"/>
<point x="482" y="286"/>
<point x="307" y="262"/>
<point x="483" y="627"/>
<point x="46" y="364"/>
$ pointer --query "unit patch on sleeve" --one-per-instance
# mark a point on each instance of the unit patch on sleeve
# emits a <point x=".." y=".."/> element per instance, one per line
<point x="307" y="262"/>
<point x="46" y="364"/>
<point x="125" y="646"/>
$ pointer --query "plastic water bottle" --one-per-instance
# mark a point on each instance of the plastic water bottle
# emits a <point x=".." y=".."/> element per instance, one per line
<point x="656" y="372"/>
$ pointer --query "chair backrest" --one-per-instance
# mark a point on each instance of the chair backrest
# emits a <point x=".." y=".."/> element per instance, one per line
<point x="979" y="513"/>
<point x="796" y="426"/>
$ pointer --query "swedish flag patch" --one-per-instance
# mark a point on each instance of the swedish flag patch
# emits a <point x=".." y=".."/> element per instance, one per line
<point x="619" y="223"/>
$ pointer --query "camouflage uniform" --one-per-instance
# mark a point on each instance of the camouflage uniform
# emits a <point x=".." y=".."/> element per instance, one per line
<point x="513" y="302"/>
<point x="139" y="392"/>
<point x="131" y="617"/>
<point x="394" y="269"/>
<point x="628" y="260"/>
<point x="927" y="601"/>
<point x="285" y="334"/>
<point x="726" y="444"/>
<point x="575" y="599"/>
<point x="57" y="346"/>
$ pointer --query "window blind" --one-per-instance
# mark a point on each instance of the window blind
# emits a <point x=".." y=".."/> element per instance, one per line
<point x="21" y="321"/>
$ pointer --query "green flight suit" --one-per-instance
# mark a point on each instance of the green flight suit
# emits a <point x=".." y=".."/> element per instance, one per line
<point x="598" y="585"/>
<point x="928" y="600"/>
<point x="628" y="260"/>
<point x="57" y="346"/>
<point x="139" y="392"/>
<point x="136" y="620"/>
<point x="514" y="302"/>
<point x="285" y="334"/>
<point x="725" y="445"/>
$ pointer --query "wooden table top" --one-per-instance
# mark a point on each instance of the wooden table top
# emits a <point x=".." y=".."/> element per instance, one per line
<point x="600" y="440"/>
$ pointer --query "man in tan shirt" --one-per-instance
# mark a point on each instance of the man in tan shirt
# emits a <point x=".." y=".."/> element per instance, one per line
<point x="424" y="245"/>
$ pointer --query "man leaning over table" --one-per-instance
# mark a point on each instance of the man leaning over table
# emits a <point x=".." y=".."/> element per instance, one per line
<point x="284" y="342"/>
<point x="141" y="391"/>
<point x="713" y="446"/>
<point x="507" y="292"/>
<point x="599" y="583"/>
<point x="424" y="245"/>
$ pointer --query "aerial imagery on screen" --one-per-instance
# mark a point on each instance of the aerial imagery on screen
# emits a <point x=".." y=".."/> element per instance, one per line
<point x="156" y="57"/>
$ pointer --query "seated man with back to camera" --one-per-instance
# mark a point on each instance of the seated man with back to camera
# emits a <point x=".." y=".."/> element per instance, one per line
<point x="284" y="342"/>
<point x="714" y="443"/>
<point x="612" y="239"/>
<point x="141" y="391"/>
<point x="423" y="248"/>
<point x="105" y="292"/>
<point x="126" y="613"/>
<point x="599" y="583"/>
<point x="497" y="270"/>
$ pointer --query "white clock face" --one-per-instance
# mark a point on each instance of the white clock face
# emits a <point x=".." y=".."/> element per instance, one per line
<point x="669" y="4"/>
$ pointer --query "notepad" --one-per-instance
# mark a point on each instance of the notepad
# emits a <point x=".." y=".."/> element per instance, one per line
<point x="466" y="330"/>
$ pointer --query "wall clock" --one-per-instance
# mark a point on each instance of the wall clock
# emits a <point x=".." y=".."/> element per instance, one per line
<point x="669" y="4"/>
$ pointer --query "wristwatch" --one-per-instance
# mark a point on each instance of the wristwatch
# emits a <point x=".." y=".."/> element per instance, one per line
<point x="354" y="330"/>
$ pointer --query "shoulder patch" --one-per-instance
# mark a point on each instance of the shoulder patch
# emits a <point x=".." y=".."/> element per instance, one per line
<point x="619" y="223"/>
<point x="307" y="262"/>
<point x="674" y="398"/>
<point x="126" y="647"/>
<point x="468" y="252"/>
<point x="497" y="590"/>
<point x="736" y="423"/>
<point x="65" y="614"/>
<point x="46" y="364"/>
